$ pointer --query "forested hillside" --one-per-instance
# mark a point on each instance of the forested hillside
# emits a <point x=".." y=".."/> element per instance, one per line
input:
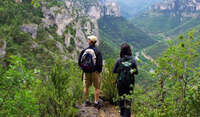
<point x="167" y="15"/>
<point x="131" y="8"/>
<point x="116" y="30"/>
<point x="168" y="19"/>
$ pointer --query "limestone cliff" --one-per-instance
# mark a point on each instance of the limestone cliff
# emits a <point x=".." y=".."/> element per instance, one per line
<point x="184" y="8"/>
<point x="73" y="21"/>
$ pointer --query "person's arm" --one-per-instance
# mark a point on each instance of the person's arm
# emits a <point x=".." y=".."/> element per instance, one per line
<point x="116" y="67"/>
<point x="99" y="62"/>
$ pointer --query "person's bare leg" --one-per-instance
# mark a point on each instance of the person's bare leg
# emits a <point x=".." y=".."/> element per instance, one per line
<point x="96" y="96"/>
<point x="86" y="94"/>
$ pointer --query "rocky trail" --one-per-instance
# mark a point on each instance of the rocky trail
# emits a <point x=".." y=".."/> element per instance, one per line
<point x="107" y="110"/>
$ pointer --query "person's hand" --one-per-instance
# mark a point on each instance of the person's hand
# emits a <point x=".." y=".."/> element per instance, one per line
<point x="132" y="71"/>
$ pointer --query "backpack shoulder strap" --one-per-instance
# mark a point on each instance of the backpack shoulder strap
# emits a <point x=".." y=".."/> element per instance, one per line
<point x="95" y="50"/>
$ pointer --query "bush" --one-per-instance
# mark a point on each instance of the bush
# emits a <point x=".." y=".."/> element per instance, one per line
<point x="23" y="94"/>
<point x="17" y="85"/>
<point x="109" y="88"/>
<point x="62" y="90"/>
<point x="176" y="90"/>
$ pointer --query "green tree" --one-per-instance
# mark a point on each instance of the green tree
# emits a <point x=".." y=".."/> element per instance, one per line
<point x="175" y="90"/>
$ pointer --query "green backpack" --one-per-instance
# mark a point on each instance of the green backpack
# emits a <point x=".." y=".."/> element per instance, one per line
<point x="125" y="75"/>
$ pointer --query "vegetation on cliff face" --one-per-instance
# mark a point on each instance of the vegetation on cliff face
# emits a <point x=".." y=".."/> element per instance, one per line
<point x="28" y="35"/>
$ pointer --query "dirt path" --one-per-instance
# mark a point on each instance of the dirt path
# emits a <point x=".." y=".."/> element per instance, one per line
<point x="107" y="110"/>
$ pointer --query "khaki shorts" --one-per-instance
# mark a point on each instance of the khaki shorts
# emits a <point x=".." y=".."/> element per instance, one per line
<point x="92" y="78"/>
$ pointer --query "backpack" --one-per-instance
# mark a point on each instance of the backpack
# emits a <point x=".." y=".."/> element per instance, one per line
<point x="125" y="75"/>
<point x="88" y="61"/>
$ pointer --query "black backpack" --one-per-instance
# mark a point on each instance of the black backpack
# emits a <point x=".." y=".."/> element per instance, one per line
<point x="88" y="61"/>
<point x="125" y="76"/>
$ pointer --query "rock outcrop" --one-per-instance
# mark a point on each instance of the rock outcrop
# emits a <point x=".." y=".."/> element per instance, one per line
<point x="112" y="9"/>
<point x="60" y="17"/>
<point x="184" y="8"/>
<point x="30" y="28"/>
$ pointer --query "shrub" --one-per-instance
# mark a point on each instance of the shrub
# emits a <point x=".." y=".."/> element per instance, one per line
<point x="23" y="94"/>
<point x="62" y="90"/>
<point x="109" y="88"/>
<point x="17" y="85"/>
<point x="176" y="90"/>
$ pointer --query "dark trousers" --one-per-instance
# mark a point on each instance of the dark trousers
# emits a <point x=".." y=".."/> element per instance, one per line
<point x="125" y="108"/>
<point x="124" y="104"/>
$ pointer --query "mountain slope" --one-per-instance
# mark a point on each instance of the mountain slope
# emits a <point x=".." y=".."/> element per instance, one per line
<point x="130" y="8"/>
<point x="168" y="15"/>
<point x="156" y="23"/>
<point x="168" y="18"/>
<point x="183" y="28"/>
<point x="116" y="30"/>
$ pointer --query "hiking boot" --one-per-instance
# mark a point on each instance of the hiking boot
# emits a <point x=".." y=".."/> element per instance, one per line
<point x="87" y="103"/>
<point x="97" y="105"/>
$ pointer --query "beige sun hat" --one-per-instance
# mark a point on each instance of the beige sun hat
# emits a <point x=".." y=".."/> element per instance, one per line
<point x="92" y="38"/>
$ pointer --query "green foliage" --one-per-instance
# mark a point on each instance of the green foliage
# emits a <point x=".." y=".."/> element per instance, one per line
<point x="157" y="49"/>
<point x="24" y="94"/>
<point x="17" y="84"/>
<point x="69" y="29"/>
<point x="156" y="23"/>
<point x="13" y="16"/>
<point x="183" y="28"/>
<point x="63" y="89"/>
<point x="176" y="90"/>
<point x="107" y="49"/>
<point x="36" y="3"/>
<point x="109" y="88"/>
<point x="179" y="75"/>
<point x="118" y="30"/>
<point x="52" y="3"/>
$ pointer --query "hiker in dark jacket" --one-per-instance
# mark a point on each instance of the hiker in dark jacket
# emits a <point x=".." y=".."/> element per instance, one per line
<point x="92" y="76"/>
<point x="124" y="85"/>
